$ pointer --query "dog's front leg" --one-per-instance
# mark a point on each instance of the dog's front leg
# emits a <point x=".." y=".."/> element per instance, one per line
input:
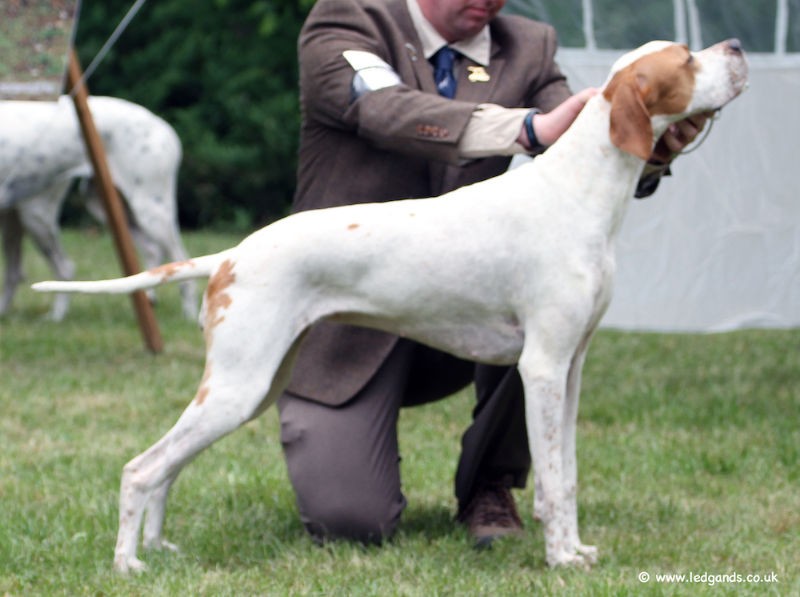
<point x="545" y="393"/>
<point x="570" y="458"/>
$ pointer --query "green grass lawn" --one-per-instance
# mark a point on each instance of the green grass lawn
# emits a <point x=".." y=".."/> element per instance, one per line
<point x="688" y="452"/>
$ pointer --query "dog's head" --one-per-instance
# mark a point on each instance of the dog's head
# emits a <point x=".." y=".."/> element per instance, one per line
<point x="662" y="82"/>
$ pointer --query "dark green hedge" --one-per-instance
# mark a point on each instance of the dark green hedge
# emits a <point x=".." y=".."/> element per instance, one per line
<point x="224" y="74"/>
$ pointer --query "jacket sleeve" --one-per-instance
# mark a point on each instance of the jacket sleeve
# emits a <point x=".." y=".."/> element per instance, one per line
<point x="399" y="118"/>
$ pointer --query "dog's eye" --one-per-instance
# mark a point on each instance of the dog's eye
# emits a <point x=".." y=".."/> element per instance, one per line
<point x="690" y="59"/>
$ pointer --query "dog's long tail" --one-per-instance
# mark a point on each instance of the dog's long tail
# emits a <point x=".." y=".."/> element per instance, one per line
<point x="199" y="267"/>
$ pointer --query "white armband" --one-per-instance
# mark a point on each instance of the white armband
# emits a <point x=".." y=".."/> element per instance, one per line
<point x="372" y="72"/>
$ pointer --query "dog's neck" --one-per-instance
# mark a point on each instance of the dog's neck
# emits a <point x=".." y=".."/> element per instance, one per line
<point x="604" y="177"/>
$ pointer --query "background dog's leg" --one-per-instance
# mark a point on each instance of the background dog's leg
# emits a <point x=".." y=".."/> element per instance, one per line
<point x="160" y="242"/>
<point x="153" y="223"/>
<point x="11" y="228"/>
<point x="39" y="216"/>
<point x="172" y="249"/>
<point x="150" y="251"/>
<point x="154" y="226"/>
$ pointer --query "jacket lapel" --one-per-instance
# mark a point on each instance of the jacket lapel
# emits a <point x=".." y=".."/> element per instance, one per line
<point x="477" y="83"/>
<point x="414" y="63"/>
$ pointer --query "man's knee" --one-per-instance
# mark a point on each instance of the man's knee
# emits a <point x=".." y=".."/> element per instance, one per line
<point x="344" y="468"/>
<point x="367" y="518"/>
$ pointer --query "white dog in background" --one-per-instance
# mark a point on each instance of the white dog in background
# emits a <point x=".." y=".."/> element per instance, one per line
<point x="42" y="152"/>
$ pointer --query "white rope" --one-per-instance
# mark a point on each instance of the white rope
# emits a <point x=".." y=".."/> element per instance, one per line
<point x="103" y="52"/>
<point x="698" y="143"/>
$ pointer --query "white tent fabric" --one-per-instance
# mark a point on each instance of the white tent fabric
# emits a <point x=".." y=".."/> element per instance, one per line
<point x="717" y="247"/>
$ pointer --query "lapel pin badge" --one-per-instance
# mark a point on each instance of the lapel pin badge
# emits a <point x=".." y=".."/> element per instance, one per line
<point x="477" y="74"/>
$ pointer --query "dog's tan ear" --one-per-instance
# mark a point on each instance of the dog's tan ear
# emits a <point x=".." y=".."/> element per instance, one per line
<point x="630" y="127"/>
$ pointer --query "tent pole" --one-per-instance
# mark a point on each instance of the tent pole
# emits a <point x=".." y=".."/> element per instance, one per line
<point x="112" y="204"/>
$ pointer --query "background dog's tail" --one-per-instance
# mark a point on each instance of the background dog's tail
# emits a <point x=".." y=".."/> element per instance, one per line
<point x="199" y="267"/>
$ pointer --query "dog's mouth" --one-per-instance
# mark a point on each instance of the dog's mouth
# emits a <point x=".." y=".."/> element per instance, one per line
<point x="732" y="52"/>
<point x="739" y="72"/>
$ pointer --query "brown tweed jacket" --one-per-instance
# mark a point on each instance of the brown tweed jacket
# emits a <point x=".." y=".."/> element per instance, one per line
<point x="396" y="143"/>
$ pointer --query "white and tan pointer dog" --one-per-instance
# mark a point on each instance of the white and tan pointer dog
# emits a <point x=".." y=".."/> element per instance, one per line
<point x="513" y="270"/>
<point x="42" y="151"/>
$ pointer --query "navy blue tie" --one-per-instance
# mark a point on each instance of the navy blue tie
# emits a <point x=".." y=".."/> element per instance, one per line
<point x="443" y="71"/>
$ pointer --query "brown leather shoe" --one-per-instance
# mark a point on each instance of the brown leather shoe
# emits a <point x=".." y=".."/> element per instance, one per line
<point x="491" y="514"/>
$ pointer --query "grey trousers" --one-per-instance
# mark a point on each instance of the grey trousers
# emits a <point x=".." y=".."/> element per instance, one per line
<point x="344" y="462"/>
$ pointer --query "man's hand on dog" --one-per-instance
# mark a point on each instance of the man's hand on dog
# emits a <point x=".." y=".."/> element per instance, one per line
<point x="550" y="126"/>
<point x="678" y="136"/>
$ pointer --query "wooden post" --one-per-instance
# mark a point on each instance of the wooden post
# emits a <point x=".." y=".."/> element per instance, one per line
<point x="113" y="206"/>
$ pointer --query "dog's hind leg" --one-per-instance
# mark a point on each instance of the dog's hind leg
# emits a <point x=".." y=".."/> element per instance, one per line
<point x="11" y="228"/>
<point x="241" y="379"/>
<point x="215" y="412"/>
<point x="155" y="512"/>
<point x="39" y="216"/>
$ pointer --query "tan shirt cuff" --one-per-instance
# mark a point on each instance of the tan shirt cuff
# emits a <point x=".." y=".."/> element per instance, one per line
<point x="491" y="131"/>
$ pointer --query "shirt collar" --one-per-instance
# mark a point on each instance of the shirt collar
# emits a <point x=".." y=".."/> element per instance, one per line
<point x="477" y="48"/>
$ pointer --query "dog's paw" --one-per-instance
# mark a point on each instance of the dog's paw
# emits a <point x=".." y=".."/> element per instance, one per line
<point x="160" y="544"/>
<point x="124" y="565"/>
<point x="589" y="553"/>
<point x="566" y="559"/>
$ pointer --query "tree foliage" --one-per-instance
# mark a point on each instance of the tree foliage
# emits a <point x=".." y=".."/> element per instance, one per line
<point x="224" y="74"/>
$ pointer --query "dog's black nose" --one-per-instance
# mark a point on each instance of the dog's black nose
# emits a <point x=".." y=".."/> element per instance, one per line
<point x="734" y="45"/>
